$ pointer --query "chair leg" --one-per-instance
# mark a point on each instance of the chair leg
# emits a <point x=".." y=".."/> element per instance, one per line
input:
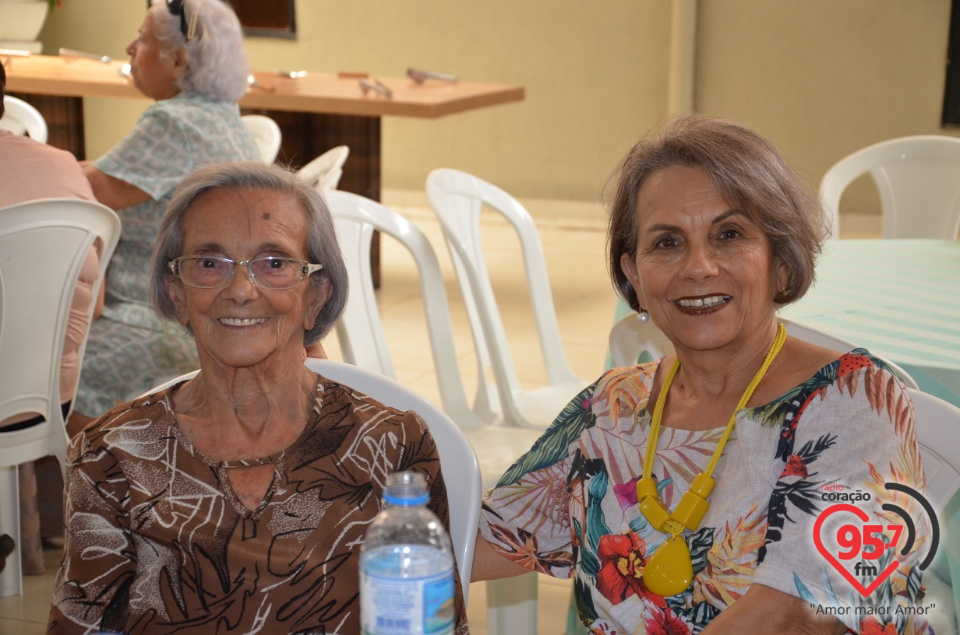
<point x="512" y="605"/>
<point x="10" y="578"/>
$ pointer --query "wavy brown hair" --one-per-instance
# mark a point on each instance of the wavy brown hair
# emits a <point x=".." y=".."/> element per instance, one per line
<point x="749" y="173"/>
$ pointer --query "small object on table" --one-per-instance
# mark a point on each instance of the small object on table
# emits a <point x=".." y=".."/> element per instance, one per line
<point x="88" y="56"/>
<point x="8" y="54"/>
<point x="375" y="85"/>
<point x="252" y="82"/>
<point x="292" y="74"/>
<point x="420" y="76"/>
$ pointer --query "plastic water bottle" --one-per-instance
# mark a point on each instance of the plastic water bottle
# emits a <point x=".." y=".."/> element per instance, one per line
<point x="406" y="565"/>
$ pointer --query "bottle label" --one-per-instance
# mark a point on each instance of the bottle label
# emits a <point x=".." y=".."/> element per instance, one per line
<point x="406" y="606"/>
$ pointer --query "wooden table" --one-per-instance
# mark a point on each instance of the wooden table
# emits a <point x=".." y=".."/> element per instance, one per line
<point x="342" y="107"/>
<point x="315" y="112"/>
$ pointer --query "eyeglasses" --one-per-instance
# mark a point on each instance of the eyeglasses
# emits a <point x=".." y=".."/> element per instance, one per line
<point x="176" y="7"/>
<point x="267" y="272"/>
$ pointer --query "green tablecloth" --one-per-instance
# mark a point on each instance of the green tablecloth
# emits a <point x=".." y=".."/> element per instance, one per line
<point x="898" y="298"/>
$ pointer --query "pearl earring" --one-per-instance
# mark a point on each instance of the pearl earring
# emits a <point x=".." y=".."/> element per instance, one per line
<point x="643" y="316"/>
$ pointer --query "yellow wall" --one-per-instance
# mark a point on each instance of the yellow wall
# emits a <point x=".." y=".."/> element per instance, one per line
<point x="820" y="78"/>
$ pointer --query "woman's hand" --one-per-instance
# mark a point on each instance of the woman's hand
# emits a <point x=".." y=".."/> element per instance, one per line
<point x="113" y="192"/>
<point x="763" y="609"/>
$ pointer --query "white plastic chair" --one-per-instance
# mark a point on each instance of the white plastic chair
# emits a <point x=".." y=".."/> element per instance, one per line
<point x="19" y="117"/>
<point x="457" y="198"/>
<point x="512" y="602"/>
<point x="42" y="247"/>
<point x="325" y="171"/>
<point x="629" y="340"/>
<point x="461" y="471"/>
<point x="919" y="182"/>
<point x="938" y="433"/>
<point x="826" y="340"/>
<point x="632" y="343"/>
<point x="266" y="133"/>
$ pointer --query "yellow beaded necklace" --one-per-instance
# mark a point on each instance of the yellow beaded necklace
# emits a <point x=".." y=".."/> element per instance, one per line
<point x="669" y="569"/>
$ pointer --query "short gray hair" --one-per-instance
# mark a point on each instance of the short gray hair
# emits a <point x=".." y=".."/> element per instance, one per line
<point x="217" y="64"/>
<point x="322" y="246"/>
<point x="747" y="170"/>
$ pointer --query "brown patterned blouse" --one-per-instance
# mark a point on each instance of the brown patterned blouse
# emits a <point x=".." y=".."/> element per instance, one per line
<point x="158" y="543"/>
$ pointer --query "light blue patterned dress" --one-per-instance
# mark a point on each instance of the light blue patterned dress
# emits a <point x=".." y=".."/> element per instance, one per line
<point x="130" y="349"/>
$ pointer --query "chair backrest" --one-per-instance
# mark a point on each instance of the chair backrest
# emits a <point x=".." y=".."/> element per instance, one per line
<point x="325" y="171"/>
<point x="834" y="343"/>
<point x="43" y="245"/>
<point x="266" y="134"/>
<point x="360" y="330"/>
<point x="361" y="334"/>
<point x="461" y="471"/>
<point x="938" y="432"/>
<point x="632" y="342"/>
<point x="918" y="178"/>
<point x="20" y="117"/>
<point x="457" y="198"/>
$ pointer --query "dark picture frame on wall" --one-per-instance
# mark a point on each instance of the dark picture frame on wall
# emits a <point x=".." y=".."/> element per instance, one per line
<point x="275" y="18"/>
<point x="259" y="18"/>
<point x="951" y="91"/>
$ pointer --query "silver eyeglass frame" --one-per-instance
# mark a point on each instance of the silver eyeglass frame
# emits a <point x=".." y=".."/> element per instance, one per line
<point x="306" y="270"/>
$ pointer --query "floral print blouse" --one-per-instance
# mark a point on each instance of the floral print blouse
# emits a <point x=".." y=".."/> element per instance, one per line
<point x="568" y="507"/>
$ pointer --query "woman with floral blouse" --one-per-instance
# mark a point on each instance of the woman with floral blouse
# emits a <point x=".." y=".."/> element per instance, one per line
<point x="689" y="494"/>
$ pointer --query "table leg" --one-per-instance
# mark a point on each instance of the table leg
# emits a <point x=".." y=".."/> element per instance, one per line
<point x="64" y="117"/>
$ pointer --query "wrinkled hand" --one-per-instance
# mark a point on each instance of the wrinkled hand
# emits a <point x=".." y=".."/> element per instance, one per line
<point x="766" y="610"/>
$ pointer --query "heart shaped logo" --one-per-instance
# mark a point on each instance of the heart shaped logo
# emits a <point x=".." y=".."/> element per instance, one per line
<point x="862" y="515"/>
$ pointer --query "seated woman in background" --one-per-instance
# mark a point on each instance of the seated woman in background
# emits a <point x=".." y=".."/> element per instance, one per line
<point x="188" y="57"/>
<point x="237" y="501"/>
<point x="710" y="232"/>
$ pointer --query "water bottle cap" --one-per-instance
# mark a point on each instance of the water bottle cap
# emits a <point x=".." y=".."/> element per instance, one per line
<point x="406" y="489"/>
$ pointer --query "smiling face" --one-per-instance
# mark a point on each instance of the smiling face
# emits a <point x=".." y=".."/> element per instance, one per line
<point x="703" y="269"/>
<point x="241" y="324"/>
<point x="152" y="70"/>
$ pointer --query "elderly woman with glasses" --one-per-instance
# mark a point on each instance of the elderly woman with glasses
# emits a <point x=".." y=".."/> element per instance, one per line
<point x="237" y="501"/>
<point x="188" y="56"/>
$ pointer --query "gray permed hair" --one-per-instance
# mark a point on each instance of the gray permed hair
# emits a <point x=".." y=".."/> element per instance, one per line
<point x="217" y="64"/>
<point x="322" y="246"/>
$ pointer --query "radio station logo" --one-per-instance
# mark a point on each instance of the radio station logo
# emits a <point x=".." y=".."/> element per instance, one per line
<point x="855" y="545"/>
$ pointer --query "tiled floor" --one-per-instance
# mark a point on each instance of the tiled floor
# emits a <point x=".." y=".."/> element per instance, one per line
<point x="584" y="303"/>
